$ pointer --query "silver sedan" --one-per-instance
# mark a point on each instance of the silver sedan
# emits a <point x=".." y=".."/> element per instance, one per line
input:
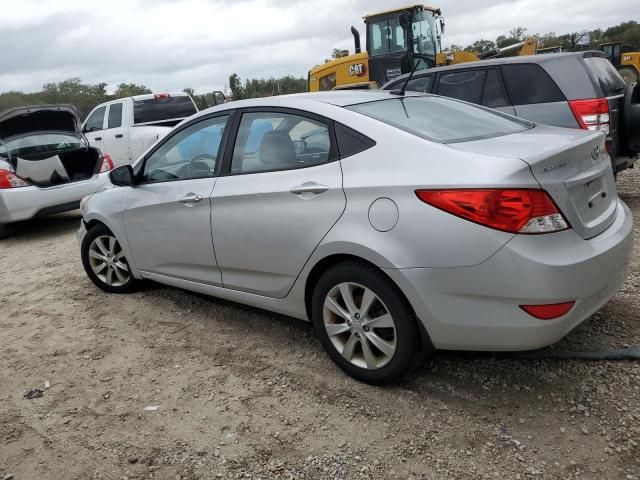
<point x="395" y="223"/>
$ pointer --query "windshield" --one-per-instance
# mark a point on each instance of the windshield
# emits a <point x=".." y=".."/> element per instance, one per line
<point x="163" y="107"/>
<point x="441" y="120"/>
<point x="40" y="143"/>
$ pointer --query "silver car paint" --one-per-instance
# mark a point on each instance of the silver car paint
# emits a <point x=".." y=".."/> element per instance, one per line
<point x="556" y="114"/>
<point x="23" y="203"/>
<point x="447" y="268"/>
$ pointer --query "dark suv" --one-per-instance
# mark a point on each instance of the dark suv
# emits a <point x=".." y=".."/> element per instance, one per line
<point x="575" y="90"/>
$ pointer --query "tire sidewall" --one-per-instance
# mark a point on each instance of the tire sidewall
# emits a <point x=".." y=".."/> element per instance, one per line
<point x="407" y="333"/>
<point x="93" y="233"/>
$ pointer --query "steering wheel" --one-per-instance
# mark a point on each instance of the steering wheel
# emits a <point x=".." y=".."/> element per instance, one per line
<point x="202" y="165"/>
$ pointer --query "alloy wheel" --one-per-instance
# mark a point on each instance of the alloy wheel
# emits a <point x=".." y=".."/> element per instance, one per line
<point x="359" y="325"/>
<point x="107" y="261"/>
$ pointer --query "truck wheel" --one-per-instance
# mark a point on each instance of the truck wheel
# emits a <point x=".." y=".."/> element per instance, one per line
<point x="629" y="74"/>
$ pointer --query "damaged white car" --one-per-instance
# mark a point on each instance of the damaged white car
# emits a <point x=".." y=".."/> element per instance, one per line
<point x="46" y="163"/>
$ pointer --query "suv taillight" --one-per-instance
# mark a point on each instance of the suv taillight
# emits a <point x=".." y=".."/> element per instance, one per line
<point x="11" y="180"/>
<point x="510" y="210"/>
<point x="592" y="114"/>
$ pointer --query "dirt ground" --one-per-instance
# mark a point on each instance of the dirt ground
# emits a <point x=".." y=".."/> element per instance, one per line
<point x="241" y="393"/>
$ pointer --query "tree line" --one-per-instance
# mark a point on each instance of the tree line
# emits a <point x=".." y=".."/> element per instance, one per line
<point x="86" y="96"/>
<point x="627" y="32"/>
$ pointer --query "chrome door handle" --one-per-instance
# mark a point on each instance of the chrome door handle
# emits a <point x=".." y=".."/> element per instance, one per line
<point x="309" y="187"/>
<point x="191" y="199"/>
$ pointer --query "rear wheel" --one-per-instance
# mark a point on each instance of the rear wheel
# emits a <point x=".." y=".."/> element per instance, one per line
<point x="364" y="323"/>
<point x="629" y="74"/>
<point x="105" y="263"/>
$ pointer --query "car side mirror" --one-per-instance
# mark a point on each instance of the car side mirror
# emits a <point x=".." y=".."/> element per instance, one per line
<point x="122" y="176"/>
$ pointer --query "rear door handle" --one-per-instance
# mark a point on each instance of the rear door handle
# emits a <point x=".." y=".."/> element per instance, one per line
<point x="309" y="187"/>
<point x="119" y="135"/>
<point x="190" y="199"/>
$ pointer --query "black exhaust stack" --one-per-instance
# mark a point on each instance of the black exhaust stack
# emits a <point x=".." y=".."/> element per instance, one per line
<point x="356" y="39"/>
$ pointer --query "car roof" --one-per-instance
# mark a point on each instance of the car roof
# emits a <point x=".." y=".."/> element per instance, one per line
<point x="306" y="101"/>
<point x="537" y="59"/>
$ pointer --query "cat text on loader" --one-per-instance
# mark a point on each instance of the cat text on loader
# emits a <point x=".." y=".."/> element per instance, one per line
<point x="396" y="40"/>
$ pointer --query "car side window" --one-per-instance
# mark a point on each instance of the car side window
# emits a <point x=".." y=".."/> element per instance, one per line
<point x="190" y="153"/>
<point x="494" y="95"/>
<point x="420" y="84"/>
<point x="95" y="121"/>
<point x="351" y="142"/>
<point x="528" y="83"/>
<point x="467" y="85"/>
<point x="268" y="141"/>
<point x="115" y="115"/>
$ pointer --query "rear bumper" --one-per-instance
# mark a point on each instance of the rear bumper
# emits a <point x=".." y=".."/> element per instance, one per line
<point x="27" y="202"/>
<point x="476" y="308"/>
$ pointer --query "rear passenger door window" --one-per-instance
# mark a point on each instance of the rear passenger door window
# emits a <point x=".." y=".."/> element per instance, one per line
<point x="420" y="84"/>
<point x="268" y="141"/>
<point x="467" y="85"/>
<point x="115" y="115"/>
<point x="494" y="95"/>
<point x="528" y="83"/>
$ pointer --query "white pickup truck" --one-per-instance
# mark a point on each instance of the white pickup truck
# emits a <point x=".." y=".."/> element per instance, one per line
<point x="125" y="128"/>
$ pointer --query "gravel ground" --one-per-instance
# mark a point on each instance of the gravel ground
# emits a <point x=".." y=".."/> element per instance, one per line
<point x="241" y="393"/>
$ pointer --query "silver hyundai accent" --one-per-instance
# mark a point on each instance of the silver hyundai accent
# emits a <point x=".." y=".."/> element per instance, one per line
<point x="395" y="223"/>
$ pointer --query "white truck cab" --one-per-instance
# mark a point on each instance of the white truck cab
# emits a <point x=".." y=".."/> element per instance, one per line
<point x="125" y="128"/>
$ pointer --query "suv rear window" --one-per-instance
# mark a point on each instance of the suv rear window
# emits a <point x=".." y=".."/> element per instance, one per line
<point x="162" y="108"/>
<point x="528" y="83"/>
<point x="606" y="75"/>
<point x="440" y="119"/>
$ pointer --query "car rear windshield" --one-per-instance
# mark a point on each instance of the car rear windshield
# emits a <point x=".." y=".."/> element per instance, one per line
<point x="606" y="75"/>
<point x="440" y="119"/>
<point x="40" y="143"/>
<point x="162" y="108"/>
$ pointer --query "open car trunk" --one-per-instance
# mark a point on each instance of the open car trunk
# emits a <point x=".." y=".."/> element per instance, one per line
<point x="64" y="167"/>
<point x="45" y="147"/>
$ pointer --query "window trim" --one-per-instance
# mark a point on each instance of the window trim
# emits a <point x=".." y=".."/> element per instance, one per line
<point x="139" y="167"/>
<point x="231" y="143"/>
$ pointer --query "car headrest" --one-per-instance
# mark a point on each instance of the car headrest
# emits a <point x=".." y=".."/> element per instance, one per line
<point x="277" y="149"/>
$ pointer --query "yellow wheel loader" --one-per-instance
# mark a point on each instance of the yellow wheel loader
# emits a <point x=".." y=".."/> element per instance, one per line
<point x="627" y="63"/>
<point x="396" y="41"/>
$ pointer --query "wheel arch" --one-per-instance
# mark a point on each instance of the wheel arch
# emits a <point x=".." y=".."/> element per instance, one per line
<point x="329" y="261"/>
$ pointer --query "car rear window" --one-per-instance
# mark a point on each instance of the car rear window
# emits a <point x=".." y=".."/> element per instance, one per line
<point x="528" y="83"/>
<point x="440" y="119"/>
<point x="606" y="76"/>
<point x="162" y="108"/>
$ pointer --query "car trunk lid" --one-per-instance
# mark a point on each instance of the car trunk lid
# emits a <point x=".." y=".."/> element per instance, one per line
<point x="45" y="118"/>
<point x="571" y="165"/>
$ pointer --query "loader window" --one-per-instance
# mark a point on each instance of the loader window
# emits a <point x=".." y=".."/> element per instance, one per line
<point x="386" y="36"/>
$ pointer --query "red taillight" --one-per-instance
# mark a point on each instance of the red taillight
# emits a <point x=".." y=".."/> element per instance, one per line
<point x="592" y="114"/>
<point x="514" y="211"/>
<point x="107" y="163"/>
<point x="548" y="312"/>
<point x="161" y="95"/>
<point x="10" y="180"/>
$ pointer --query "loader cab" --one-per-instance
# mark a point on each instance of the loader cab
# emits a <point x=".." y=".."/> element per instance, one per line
<point x="613" y="52"/>
<point x="397" y="39"/>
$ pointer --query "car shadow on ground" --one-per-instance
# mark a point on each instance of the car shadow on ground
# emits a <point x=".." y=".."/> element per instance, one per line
<point x="42" y="227"/>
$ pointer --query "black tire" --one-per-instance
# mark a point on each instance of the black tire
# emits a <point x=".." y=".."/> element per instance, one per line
<point x="629" y="74"/>
<point x="102" y="231"/>
<point x="407" y="334"/>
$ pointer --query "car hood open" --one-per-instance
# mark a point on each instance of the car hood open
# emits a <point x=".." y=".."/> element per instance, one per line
<point x="45" y="118"/>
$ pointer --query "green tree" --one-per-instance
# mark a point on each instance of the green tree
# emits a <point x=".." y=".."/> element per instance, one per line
<point x="130" y="89"/>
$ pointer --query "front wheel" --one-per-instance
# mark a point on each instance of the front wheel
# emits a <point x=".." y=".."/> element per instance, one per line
<point x="105" y="263"/>
<point x="364" y="323"/>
